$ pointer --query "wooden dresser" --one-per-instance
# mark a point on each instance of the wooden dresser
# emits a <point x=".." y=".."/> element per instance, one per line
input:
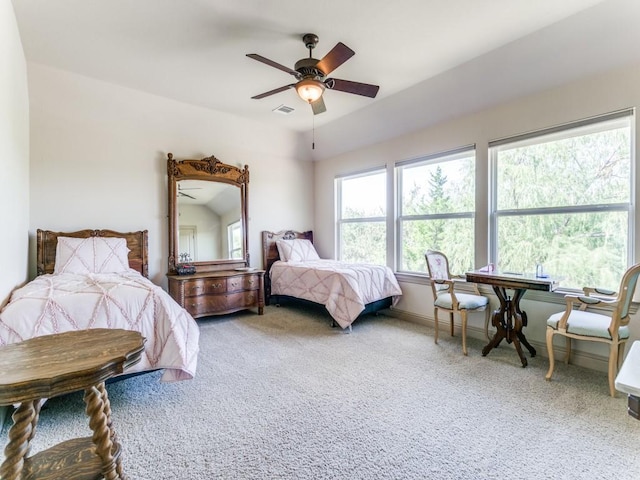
<point x="218" y="292"/>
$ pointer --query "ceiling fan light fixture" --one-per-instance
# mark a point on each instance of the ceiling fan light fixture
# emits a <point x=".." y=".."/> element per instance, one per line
<point x="310" y="89"/>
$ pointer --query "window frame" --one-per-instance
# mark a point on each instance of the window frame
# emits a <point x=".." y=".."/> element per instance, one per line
<point x="340" y="222"/>
<point x="231" y="247"/>
<point x="431" y="159"/>
<point x="564" y="131"/>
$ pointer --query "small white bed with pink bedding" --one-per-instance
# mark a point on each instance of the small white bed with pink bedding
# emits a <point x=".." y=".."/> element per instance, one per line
<point x="97" y="279"/>
<point x="347" y="290"/>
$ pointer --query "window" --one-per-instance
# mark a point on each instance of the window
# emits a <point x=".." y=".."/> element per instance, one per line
<point x="563" y="198"/>
<point x="234" y="236"/>
<point x="361" y="212"/>
<point x="436" y="210"/>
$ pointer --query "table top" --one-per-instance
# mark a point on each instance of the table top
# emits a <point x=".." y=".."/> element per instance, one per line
<point x="527" y="281"/>
<point x="628" y="379"/>
<point x="52" y="365"/>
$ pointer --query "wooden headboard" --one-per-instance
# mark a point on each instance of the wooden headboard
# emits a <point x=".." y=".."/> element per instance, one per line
<point x="137" y="242"/>
<point x="270" y="252"/>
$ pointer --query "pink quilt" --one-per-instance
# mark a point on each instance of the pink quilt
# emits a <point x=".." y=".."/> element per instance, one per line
<point x="343" y="288"/>
<point x="59" y="303"/>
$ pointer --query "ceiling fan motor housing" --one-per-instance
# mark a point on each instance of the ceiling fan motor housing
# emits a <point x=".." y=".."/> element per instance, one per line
<point x="307" y="68"/>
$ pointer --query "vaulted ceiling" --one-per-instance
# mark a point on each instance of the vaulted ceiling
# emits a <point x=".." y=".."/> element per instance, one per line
<point x="433" y="59"/>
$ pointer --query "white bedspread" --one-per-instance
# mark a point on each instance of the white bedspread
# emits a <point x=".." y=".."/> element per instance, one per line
<point x="343" y="288"/>
<point x="59" y="303"/>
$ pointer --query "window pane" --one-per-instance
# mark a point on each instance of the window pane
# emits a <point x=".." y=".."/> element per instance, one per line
<point x="364" y="242"/>
<point x="443" y="187"/>
<point x="453" y="237"/>
<point x="364" y="196"/>
<point x="587" y="169"/>
<point x="588" y="249"/>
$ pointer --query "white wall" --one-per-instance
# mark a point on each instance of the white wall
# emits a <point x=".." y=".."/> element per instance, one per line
<point x="585" y="98"/>
<point x="14" y="155"/>
<point x="98" y="160"/>
<point x="14" y="160"/>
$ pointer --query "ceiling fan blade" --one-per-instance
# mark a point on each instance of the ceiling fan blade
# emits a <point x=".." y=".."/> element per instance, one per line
<point x="318" y="106"/>
<point x="348" y="86"/>
<point x="272" y="92"/>
<point x="186" y="195"/>
<point x="336" y="57"/>
<point x="271" y="63"/>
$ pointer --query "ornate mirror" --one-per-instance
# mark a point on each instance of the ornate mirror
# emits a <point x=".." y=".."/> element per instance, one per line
<point x="207" y="214"/>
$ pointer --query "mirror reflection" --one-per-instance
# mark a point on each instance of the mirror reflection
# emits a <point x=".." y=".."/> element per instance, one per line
<point x="209" y="221"/>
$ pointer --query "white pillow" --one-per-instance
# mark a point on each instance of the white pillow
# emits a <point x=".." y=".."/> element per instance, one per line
<point x="91" y="255"/>
<point x="297" y="250"/>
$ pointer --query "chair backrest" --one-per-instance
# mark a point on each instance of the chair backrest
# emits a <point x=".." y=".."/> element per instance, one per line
<point x="627" y="289"/>
<point x="438" y="267"/>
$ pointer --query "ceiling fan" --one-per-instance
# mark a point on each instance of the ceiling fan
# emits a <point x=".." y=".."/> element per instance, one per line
<point x="311" y="75"/>
<point x="182" y="189"/>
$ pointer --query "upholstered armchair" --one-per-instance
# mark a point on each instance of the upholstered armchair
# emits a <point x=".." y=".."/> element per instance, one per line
<point x="445" y="297"/>
<point x="611" y="326"/>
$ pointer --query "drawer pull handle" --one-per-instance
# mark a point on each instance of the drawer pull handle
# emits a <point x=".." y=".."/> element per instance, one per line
<point x="217" y="285"/>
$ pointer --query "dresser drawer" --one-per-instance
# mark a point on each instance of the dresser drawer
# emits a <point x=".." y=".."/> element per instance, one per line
<point x="244" y="282"/>
<point x="204" y="305"/>
<point x="205" y="286"/>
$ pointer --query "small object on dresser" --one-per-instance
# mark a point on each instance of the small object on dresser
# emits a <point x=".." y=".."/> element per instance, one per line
<point x="184" y="269"/>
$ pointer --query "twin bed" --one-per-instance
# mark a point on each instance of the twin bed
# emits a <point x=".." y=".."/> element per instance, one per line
<point x="347" y="290"/>
<point x="98" y="279"/>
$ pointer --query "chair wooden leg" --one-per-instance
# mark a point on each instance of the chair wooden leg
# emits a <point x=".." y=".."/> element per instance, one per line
<point x="567" y="355"/>
<point x="620" y="354"/>
<point x="550" y="332"/>
<point x="463" y="315"/>
<point x="435" y="321"/>
<point x="451" y="322"/>
<point x="613" y="364"/>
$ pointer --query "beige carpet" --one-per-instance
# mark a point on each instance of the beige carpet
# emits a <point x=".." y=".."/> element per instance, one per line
<point x="284" y="396"/>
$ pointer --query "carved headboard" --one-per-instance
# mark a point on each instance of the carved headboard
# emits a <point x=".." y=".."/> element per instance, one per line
<point x="47" y="242"/>
<point x="270" y="252"/>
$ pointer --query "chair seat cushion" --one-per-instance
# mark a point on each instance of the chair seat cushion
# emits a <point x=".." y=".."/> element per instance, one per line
<point x="588" y="324"/>
<point x="466" y="301"/>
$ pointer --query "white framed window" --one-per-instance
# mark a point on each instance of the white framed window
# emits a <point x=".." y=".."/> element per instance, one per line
<point x="436" y="209"/>
<point x="234" y="239"/>
<point x="564" y="198"/>
<point x="361" y="217"/>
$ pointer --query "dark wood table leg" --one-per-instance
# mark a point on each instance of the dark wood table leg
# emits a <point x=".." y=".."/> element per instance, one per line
<point x="498" y="321"/>
<point x="522" y="316"/>
<point x="509" y="321"/>
<point x="517" y="320"/>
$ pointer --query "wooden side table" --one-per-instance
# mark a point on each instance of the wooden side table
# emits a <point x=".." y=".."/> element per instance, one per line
<point x="53" y="365"/>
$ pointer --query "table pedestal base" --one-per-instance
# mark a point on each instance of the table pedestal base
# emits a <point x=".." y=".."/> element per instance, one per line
<point x="509" y="321"/>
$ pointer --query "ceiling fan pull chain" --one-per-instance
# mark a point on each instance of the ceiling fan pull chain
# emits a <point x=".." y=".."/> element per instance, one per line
<point x="313" y="132"/>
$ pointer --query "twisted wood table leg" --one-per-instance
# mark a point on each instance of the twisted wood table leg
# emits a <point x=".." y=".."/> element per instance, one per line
<point x="114" y="437"/>
<point x="20" y="434"/>
<point x="99" y="424"/>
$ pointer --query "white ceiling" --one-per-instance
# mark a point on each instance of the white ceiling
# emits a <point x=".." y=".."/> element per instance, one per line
<point x="195" y="51"/>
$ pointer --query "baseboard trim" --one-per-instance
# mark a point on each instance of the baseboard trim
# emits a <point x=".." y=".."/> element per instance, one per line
<point x="579" y="358"/>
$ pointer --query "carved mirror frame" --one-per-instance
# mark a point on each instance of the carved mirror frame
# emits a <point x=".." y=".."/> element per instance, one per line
<point x="213" y="170"/>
